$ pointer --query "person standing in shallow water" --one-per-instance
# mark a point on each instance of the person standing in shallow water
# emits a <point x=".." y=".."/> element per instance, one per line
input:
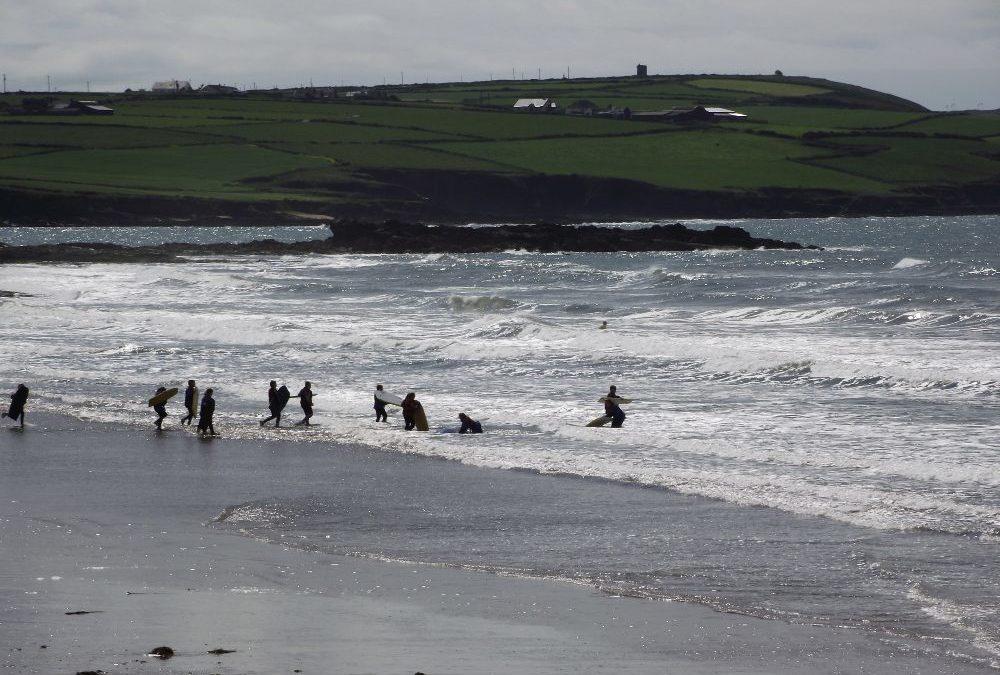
<point x="190" y="403"/>
<point x="274" y="405"/>
<point x="161" y="410"/>
<point x="206" y="412"/>
<point x="612" y="409"/>
<point x="380" y="413"/>
<point x="410" y="407"/>
<point x="17" y="401"/>
<point x="305" y="397"/>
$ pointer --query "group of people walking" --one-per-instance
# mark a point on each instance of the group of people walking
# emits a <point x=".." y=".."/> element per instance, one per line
<point x="278" y="397"/>
<point x="205" y="410"/>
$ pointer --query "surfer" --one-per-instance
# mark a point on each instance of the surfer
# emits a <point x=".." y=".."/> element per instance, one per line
<point x="305" y="397"/>
<point x="190" y="403"/>
<point x="206" y="413"/>
<point x="410" y="407"/>
<point x="274" y="404"/>
<point x="380" y="414"/>
<point x="469" y="425"/>
<point x="612" y="409"/>
<point x="160" y="410"/>
<point x="17" y="401"/>
<point x="604" y="324"/>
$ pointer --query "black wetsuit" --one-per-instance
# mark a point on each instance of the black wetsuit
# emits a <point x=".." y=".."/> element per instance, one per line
<point x="470" y="426"/>
<point x="380" y="413"/>
<point x="17" y="401"/>
<point x="190" y="404"/>
<point x="306" y="401"/>
<point x="205" y="414"/>
<point x="614" y="411"/>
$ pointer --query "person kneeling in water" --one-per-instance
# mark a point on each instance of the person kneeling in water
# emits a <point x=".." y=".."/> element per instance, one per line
<point x="469" y="425"/>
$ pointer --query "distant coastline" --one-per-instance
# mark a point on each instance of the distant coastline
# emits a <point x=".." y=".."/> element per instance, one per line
<point x="459" y="197"/>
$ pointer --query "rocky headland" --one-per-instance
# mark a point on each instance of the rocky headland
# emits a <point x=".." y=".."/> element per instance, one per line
<point x="356" y="236"/>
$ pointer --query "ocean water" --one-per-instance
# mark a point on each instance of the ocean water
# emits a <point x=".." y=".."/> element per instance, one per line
<point x="814" y="436"/>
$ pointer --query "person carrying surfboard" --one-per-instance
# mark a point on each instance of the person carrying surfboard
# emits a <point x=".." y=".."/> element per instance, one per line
<point x="190" y="403"/>
<point x="612" y="409"/>
<point x="305" y="397"/>
<point x="277" y="399"/>
<point x="17" y="401"/>
<point x="411" y="409"/>
<point x="160" y="409"/>
<point x="380" y="413"/>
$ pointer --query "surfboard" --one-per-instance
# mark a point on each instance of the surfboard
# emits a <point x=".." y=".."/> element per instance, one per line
<point x="599" y="421"/>
<point x="193" y="408"/>
<point x="614" y="399"/>
<point x="163" y="396"/>
<point x="421" y="419"/>
<point x="388" y="398"/>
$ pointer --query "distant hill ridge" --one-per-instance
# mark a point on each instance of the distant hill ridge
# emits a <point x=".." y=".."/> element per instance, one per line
<point x="453" y="152"/>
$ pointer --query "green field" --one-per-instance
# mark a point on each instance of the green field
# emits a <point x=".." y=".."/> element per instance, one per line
<point x="799" y="134"/>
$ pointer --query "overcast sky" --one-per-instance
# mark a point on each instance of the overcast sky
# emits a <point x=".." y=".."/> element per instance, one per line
<point x="941" y="53"/>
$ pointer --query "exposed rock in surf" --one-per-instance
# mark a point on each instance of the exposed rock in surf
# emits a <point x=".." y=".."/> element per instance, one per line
<point x="355" y="236"/>
<point x="398" y="237"/>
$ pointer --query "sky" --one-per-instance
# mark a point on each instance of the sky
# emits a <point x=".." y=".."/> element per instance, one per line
<point x="944" y="54"/>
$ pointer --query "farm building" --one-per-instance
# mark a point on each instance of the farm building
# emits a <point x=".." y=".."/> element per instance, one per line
<point x="535" y="104"/>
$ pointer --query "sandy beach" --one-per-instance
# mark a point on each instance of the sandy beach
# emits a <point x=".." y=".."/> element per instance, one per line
<point x="108" y="552"/>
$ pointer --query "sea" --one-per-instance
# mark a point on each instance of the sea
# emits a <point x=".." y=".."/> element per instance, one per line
<point x="812" y="437"/>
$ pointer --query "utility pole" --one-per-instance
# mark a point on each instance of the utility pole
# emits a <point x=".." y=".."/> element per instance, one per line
<point x="5" y="83"/>
<point x="539" y="74"/>
<point x="401" y="78"/>
<point x="48" y="83"/>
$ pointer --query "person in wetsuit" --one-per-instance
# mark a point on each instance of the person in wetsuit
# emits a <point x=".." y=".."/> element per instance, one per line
<point x="160" y="410"/>
<point x="380" y="414"/>
<point x="17" y="401"/>
<point x="469" y="425"/>
<point x="190" y="403"/>
<point x="274" y="405"/>
<point x="612" y="409"/>
<point x="410" y="407"/>
<point x="206" y="413"/>
<point x="305" y="397"/>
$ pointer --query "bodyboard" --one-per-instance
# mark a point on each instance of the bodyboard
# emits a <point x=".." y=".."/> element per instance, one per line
<point x="421" y="419"/>
<point x="386" y="397"/>
<point x="163" y="396"/>
<point x="600" y="421"/>
<point x="283" y="396"/>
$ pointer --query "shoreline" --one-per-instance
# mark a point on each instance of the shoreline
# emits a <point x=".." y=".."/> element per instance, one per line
<point x="114" y="521"/>
<point x="456" y="197"/>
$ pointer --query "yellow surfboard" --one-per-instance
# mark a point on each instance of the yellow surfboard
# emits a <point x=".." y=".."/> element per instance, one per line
<point x="163" y="396"/>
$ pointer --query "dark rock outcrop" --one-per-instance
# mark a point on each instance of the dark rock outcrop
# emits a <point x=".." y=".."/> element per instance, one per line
<point x="399" y="237"/>
<point x="396" y="237"/>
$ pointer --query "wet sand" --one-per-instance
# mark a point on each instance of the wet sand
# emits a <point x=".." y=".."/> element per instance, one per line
<point x="105" y="554"/>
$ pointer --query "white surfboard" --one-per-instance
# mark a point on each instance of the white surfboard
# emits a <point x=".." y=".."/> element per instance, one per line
<point x="386" y="397"/>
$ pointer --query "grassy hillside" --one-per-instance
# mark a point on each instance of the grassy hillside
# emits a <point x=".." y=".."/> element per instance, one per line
<point x="801" y="136"/>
